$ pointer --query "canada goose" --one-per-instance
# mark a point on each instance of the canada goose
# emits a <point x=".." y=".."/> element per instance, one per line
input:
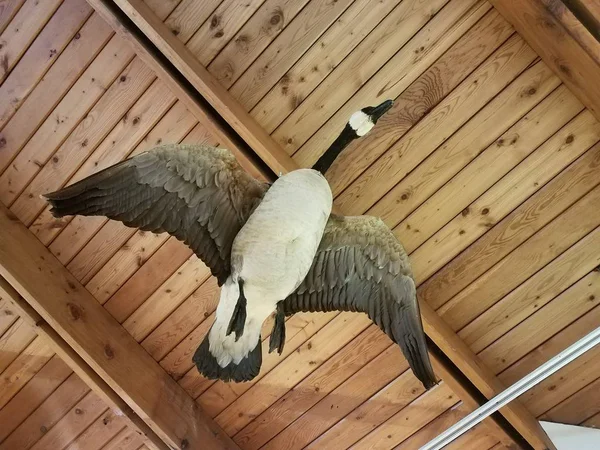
<point x="273" y="247"/>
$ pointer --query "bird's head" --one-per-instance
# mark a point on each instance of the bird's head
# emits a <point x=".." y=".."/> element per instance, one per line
<point x="362" y="121"/>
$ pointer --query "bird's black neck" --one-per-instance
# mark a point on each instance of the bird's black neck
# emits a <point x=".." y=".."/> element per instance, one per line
<point x="330" y="155"/>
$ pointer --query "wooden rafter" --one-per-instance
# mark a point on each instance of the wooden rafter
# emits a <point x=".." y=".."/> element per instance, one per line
<point x="206" y="84"/>
<point x="200" y="111"/>
<point x="442" y="335"/>
<point x="75" y="362"/>
<point x="97" y="338"/>
<point x="551" y="30"/>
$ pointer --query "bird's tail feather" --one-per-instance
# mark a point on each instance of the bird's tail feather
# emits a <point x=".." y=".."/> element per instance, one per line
<point x="245" y="370"/>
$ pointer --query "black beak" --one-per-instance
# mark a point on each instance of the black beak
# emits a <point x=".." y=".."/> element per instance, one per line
<point x="377" y="111"/>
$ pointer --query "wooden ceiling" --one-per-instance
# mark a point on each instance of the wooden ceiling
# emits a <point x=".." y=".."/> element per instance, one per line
<point x="487" y="169"/>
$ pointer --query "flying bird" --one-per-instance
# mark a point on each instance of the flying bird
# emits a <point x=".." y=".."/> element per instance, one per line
<point x="273" y="247"/>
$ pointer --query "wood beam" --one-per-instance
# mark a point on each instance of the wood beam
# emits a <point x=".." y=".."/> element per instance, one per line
<point x="102" y="343"/>
<point x="447" y="372"/>
<point x="483" y="378"/>
<point x="75" y="362"/>
<point x="539" y="22"/>
<point x="205" y="83"/>
<point x="165" y="74"/>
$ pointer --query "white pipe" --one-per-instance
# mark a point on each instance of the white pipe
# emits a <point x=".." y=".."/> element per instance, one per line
<point x="512" y="392"/>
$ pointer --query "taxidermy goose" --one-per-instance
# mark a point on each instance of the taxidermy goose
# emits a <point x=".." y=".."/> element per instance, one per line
<point x="273" y="247"/>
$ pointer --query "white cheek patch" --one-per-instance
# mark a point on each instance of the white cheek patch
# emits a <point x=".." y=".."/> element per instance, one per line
<point x="361" y="123"/>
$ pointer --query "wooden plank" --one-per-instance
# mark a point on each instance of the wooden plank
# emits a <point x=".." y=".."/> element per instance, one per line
<point x="218" y="32"/>
<point x="558" y="342"/>
<point x="8" y="316"/>
<point x="154" y="310"/>
<point x="146" y="280"/>
<point x="125" y="440"/>
<point x="539" y="288"/>
<point x="579" y="407"/>
<point x="105" y="267"/>
<point x="249" y="83"/>
<point x="110" y="109"/>
<point x="579" y="22"/>
<point x="563" y="54"/>
<point x="8" y="9"/>
<point x="33" y="110"/>
<point x="33" y="428"/>
<point x="125" y="136"/>
<point x="32" y="396"/>
<point x="541" y="208"/>
<point x="434" y="428"/>
<point x="564" y="383"/>
<point x="277" y="382"/>
<point x="516" y="100"/>
<point x="474" y="369"/>
<point x="42" y="53"/>
<point x="16" y="338"/>
<point x="343" y="400"/>
<point x="489" y="166"/>
<point x="80" y="99"/>
<point x="201" y="79"/>
<point x="74" y="361"/>
<point x="394" y="33"/>
<point x="403" y="423"/>
<point x="368" y="345"/>
<point x="566" y="308"/>
<point x="192" y="312"/>
<point x="362" y="17"/>
<point x="186" y="17"/>
<point x="23" y="368"/>
<point x="22" y="30"/>
<point x="85" y="412"/>
<point x="219" y="396"/>
<point x="453" y="111"/>
<point x="561" y="340"/>
<point x="522" y="263"/>
<point x="98" y="433"/>
<point x="530" y="175"/>
<point x="410" y="105"/>
<point x="102" y="343"/>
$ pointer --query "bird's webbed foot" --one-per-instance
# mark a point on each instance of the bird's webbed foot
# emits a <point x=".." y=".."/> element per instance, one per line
<point x="277" y="339"/>
<point x="238" y="318"/>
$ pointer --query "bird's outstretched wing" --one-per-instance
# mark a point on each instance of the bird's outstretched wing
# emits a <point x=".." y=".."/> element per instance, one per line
<point x="199" y="194"/>
<point x="360" y="266"/>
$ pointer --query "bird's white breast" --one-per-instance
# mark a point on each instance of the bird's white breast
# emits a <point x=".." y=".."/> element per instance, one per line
<point x="275" y="249"/>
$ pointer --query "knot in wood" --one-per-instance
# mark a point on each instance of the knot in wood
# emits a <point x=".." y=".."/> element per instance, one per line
<point x="109" y="352"/>
<point x="75" y="311"/>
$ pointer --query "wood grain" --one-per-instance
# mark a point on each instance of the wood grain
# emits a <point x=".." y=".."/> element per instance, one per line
<point x="41" y="54"/>
<point x="22" y="30"/>
<point x="556" y="46"/>
<point x="498" y="71"/>
<point x="319" y="61"/>
<point x="465" y="145"/>
<point x="489" y="166"/>
<point x="66" y="305"/>
<point x="33" y="110"/>
<point x="424" y="93"/>
<point x="395" y="31"/>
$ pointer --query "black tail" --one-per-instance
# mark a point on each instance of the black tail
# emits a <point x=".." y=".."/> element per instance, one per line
<point x="246" y="370"/>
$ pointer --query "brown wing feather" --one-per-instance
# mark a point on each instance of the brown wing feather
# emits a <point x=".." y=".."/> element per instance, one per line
<point x="360" y="266"/>
<point x="196" y="193"/>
